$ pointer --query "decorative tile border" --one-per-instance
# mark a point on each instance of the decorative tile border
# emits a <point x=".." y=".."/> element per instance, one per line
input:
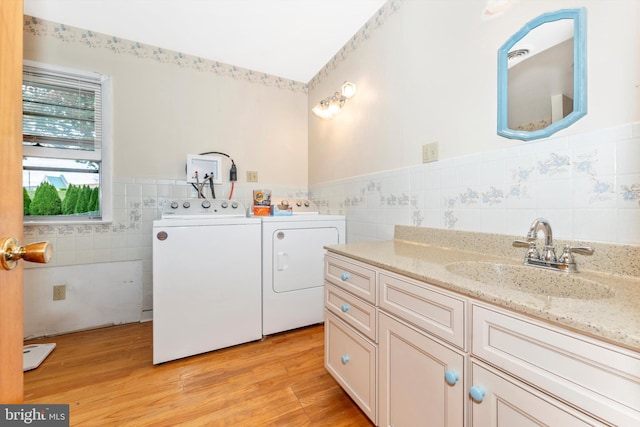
<point x="569" y="185"/>
<point x="601" y="191"/>
<point x="631" y="192"/>
<point x="131" y="222"/>
<point x="554" y="164"/>
<point x="585" y="163"/>
<point x="129" y="236"/>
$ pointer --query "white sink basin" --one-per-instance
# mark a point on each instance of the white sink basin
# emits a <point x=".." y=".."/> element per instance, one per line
<point x="531" y="280"/>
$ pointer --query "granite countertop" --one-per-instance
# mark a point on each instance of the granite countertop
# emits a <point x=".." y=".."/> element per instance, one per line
<point x="609" y="310"/>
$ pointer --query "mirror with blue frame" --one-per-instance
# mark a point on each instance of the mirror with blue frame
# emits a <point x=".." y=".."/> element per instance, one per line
<point x="542" y="82"/>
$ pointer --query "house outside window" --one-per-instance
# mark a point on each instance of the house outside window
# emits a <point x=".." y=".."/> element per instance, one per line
<point x="66" y="145"/>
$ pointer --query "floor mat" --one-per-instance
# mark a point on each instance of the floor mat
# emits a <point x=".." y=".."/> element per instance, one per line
<point x="34" y="355"/>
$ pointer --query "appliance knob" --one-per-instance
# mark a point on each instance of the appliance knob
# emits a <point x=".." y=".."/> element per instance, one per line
<point x="298" y="203"/>
<point x="206" y="204"/>
<point x="285" y="203"/>
<point x="224" y="205"/>
<point x="306" y="203"/>
<point x="186" y="205"/>
<point x="174" y="205"/>
<point x="234" y="205"/>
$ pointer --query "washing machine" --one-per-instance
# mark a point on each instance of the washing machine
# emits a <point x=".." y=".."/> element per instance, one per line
<point x="293" y="264"/>
<point x="207" y="258"/>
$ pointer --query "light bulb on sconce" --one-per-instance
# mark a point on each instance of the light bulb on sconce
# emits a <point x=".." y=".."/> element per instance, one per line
<point x="348" y="89"/>
<point x="322" y="109"/>
<point x="332" y="105"/>
<point x="337" y="101"/>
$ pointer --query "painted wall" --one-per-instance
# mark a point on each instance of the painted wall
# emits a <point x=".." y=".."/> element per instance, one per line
<point x="165" y="105"/>
<point x="427" y="71"/>
<point x="88" y="286"/>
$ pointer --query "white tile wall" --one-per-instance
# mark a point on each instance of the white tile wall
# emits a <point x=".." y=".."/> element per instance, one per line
<point x="587" y="185"/>
<point x="136" y="204"/>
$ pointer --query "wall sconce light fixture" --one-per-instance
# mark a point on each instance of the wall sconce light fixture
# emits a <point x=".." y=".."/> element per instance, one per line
<point x="331" y="105"/>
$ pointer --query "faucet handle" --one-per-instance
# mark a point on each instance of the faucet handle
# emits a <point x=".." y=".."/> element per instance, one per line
<point x="521" y="244"/>
<point x="567" y="257"/>
<point x="532" y="252"/>
<point x="582" y="250"/>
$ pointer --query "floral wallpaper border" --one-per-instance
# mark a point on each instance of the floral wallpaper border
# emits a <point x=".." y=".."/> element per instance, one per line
<point x="68" y="34"/>
<point x="43" y="28"/>
<point x="377" y="21"/>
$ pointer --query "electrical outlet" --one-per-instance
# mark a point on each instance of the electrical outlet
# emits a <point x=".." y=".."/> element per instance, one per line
<point x="430" y="152"/>
<point x="59" y="292"/>
<point x="252" y="176"/>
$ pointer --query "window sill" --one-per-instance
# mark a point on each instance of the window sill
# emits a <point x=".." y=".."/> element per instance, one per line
<point x="103" y="221"/>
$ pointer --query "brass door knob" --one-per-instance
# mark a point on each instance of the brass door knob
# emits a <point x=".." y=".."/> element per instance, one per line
<point x="11" y="252"/>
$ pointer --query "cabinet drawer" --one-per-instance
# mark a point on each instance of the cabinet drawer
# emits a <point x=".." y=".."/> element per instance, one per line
<point x="354" y="311"/>
<point x="425" y="306"/>
<point x="509" y="403"/>
<point x="601" y="378"/>
<point x="351" y="360"/>
<point x="351" y="276"/>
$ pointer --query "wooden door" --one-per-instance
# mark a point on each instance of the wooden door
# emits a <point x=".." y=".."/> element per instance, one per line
<point x="11" y="291"/>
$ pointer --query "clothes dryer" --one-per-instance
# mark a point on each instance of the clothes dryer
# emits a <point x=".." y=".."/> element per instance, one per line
<point x="293" y="264"/>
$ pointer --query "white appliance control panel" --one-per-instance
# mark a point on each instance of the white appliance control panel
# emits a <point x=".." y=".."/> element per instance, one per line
<point x="203" y="208"/>
<point x="298" y="206"/>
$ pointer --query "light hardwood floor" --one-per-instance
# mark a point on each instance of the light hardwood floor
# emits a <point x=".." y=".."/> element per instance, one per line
<point x="108" y="379"/>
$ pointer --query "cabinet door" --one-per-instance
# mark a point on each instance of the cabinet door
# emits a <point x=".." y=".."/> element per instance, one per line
<point x="412" y="369"/>
<point x="508" y="402"/>
<point x="351" y="360"/>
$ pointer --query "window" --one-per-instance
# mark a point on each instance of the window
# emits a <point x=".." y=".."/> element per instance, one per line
<point x="65" y="144"/>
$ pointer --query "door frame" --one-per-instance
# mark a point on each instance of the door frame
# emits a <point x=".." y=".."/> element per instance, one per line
<point x="11" y="211"/>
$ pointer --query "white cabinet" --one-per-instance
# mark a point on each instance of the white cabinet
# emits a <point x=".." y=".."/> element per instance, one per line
<point x="352" y="276"/>
<point x="418" y="323"/>
<point x="445" y="359"/>
<point x="413" y="373"/>
<point x="360" y="314"/>
<point x="601" y="379"/>
<point x="431" y="309"/>
<point x="351" y="360"/>
<point x="351" y="334"/>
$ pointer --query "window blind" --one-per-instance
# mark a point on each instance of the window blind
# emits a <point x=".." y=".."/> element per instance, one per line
<point x="61" y="109"/>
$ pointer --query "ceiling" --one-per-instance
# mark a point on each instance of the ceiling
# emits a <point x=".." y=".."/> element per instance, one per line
<point x="293" y="39"/>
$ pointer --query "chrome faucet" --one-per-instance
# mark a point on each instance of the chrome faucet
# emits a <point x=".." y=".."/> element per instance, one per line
<point x="549" y="252"/>
<point x="547" y="259"/>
